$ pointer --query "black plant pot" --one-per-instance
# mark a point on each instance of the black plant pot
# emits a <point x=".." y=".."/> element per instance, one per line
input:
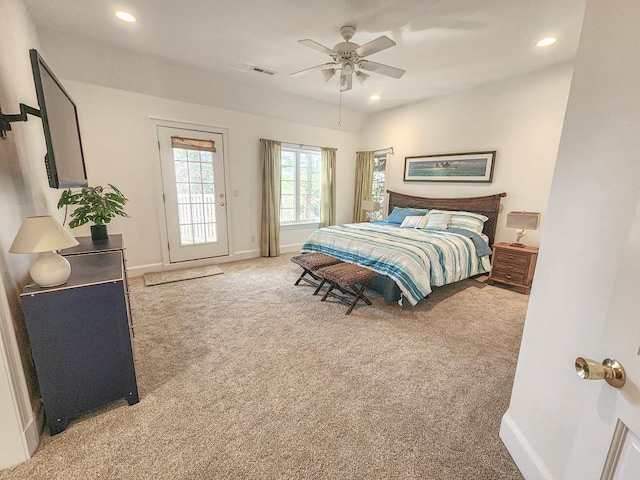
<point x="98" y="232"/>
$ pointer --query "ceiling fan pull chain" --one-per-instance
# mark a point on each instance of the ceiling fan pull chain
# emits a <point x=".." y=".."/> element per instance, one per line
<point x="340" y="111"/>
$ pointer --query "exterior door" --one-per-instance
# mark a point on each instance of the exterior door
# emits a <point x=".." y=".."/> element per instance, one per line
<point x="195" y="203"/>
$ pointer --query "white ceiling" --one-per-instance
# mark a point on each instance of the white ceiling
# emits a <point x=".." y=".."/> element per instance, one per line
<point x="444" y="45"/>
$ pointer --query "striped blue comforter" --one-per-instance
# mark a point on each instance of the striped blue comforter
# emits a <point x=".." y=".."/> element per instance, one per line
<point x="414" y="259"/>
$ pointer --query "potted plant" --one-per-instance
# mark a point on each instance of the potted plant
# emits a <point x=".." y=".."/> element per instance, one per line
<point x="95" y="204"/>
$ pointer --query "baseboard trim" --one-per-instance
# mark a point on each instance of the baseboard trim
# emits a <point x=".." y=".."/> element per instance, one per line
<point x="295" y="247"/>
<point x="529" y="463"/>
<point x="34" y="428"/>
<point x="244" y="255"/>
<point x="160" y="267"/>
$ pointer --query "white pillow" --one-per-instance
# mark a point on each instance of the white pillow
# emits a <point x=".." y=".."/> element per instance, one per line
<point x="438" y="221"/>
<point x="414" y="221"/>
<point x="473" y="222"/>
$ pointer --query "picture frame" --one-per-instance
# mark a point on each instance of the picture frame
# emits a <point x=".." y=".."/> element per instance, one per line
<point x="450" y="167"/>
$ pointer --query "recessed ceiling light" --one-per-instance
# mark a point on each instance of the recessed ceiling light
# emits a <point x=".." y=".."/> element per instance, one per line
<point x="374" y="97"/>
<point x="126" y="16"/>
<point x="545" y="42"/>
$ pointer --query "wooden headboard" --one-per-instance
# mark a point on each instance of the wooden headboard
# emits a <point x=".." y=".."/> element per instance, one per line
<point x="488" y="206"/>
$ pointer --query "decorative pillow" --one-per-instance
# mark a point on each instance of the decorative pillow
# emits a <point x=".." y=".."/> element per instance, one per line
<point x="473" y="222"/>
<point x="398" y="214"/>
<point x="415" y="221"/>
<point x="438" y="220"/>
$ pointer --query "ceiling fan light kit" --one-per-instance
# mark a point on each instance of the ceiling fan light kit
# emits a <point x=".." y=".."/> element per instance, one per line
<point x="328" y="73"/>
<point x="348" y="55"/>
<point x="362" y="77"/>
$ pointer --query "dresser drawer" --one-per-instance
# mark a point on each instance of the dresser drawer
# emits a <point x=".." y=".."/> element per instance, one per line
<point x="512" y="258"/>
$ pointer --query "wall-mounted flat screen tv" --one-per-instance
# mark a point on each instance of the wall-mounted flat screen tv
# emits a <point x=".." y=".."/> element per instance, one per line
<point x="64" y="159"/>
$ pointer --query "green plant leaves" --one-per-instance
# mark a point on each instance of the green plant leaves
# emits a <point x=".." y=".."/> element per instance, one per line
<point x="94" y="205"/>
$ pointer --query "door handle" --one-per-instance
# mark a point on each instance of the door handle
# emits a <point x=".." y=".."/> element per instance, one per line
<point x="609" y="370"/>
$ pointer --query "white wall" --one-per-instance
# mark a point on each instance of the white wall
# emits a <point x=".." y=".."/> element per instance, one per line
<point x="23" y="192"/>
<point x="521" y="118"/>
<point x="120" y="149"/>
<point x="595" y="191"/>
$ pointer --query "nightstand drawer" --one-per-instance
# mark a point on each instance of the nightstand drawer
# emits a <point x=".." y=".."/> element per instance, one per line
<point x="511" y="268"/>
<point x="512" y="258"/>
<point x="508" y="275"/>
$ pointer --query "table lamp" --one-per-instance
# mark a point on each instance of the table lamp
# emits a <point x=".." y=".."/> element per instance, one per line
<point x="522" y="221"/>
<point x="43" y="235"/>
<point x="370" y="206"/>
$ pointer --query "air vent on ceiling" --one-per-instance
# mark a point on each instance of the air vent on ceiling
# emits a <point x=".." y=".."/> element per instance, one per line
<point x="262" y="70"/>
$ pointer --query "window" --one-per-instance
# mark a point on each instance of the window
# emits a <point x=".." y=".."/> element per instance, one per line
<point x="301" y="186"/>
<point x="379" y="185"/>
<point x="193" y="162"/>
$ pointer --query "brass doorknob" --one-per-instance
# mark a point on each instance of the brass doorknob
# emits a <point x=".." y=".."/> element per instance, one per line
<point x="609" y="370"/>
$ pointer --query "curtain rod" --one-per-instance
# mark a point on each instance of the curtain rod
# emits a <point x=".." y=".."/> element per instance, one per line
<point x="293" y="144"/>
<point x="389" y="149"/>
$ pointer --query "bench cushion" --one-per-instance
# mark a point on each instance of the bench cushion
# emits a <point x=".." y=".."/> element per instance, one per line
<point x="346" y="274"/>
<point x="314" y="261"/>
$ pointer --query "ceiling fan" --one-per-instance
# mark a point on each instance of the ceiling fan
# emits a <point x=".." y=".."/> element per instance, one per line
<point x="348" y="55"/>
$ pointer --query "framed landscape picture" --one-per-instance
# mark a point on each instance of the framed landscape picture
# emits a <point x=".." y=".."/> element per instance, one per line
<point x="450" y="167"/>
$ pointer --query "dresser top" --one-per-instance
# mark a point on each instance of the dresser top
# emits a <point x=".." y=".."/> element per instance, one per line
<point x="87" y="245"/>
<point x="90" y="269"/>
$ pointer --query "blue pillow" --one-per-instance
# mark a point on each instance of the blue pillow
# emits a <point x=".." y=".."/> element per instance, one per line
<point x="399" y="213"/>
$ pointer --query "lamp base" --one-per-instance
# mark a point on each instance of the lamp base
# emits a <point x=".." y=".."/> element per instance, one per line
<point x="50" y="269"/>
<point x="517" y="245"/>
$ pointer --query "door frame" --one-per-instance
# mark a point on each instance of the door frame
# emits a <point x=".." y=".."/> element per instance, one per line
<point x="156" y="122"/>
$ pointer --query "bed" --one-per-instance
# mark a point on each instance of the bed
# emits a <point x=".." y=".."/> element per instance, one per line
<point x="410" y="261"/>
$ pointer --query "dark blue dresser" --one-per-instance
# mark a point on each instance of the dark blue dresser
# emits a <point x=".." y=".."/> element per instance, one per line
<point x="81" y="334"/>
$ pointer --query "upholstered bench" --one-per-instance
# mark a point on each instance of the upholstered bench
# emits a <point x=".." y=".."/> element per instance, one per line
<point x="310" y="262"/>
<point x="344" y="276"/>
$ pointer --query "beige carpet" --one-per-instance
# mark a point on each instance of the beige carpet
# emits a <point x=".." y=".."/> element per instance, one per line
<point x="244" y="376"/>
<point x="157" y="278"/>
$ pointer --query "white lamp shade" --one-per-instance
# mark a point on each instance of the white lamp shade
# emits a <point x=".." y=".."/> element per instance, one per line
<point x="370" y="205"/>
<point x="526" y="220"/>
<point x="41" y="234"/>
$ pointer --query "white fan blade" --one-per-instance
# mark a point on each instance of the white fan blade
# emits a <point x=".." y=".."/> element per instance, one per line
<point x="317" y="67"/>
<point x="381" y="68"/>
<point x="316" y="46"/>
<point x="346" y="82"/>
<point x="375" y="46"/>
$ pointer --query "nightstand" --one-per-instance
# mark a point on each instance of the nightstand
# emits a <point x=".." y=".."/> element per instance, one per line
<point x="513" y="266"/>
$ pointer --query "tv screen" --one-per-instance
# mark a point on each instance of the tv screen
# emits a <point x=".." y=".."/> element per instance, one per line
<point x="64" y="159"/>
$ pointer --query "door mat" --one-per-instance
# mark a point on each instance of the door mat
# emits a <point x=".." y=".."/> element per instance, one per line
<point x="168" y="276"/>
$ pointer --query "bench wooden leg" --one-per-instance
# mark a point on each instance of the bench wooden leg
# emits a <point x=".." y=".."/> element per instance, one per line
<point x="326" y="294"/>
<point x="303" y="277"/>
<point x="324" y="280"/>
<point x="359" y="294"/>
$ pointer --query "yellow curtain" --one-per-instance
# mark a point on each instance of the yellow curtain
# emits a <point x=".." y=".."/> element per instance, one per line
<point x="328" y="195"/>
<point x="364" y="181"/>
<point x="271" y="172"/>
